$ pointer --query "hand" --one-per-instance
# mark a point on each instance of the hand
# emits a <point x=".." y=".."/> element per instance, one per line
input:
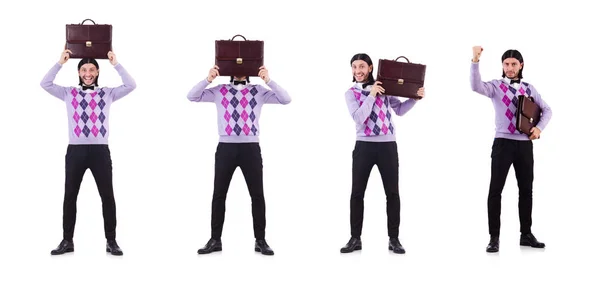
<point x="421" y="92"/>
<point x="377" y="89"/>
<point x="213" y="73"/>
<point x="535" y="133"/>
<point x="64" y="56"/>
<point x="477" y="53"/>
<point x="263" y="73"/>
<point x="112" y="58"/>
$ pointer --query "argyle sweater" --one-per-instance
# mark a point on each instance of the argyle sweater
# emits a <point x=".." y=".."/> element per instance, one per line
<point x="239" y="107"/>
<point x="373" y="115"/>
<point x="505" y="100"/>
<point x="88" y="110"/>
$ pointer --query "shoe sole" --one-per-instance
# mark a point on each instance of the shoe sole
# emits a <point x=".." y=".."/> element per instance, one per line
<point x="391" y="249"/>
<point x="265" y="253"/>
<point x="207" y="252"/>
<point x="349" y="251"/>
<point x="526" y="244"/>
<point x="108" y="251"/>
<point x="66" y="251"/>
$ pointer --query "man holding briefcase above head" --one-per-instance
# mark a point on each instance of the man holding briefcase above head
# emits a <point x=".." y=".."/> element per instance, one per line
<point x="372" y="111"/>
<point x="512" y="144"/>
<point x="239" y="106"/>
<point x="88" y="108"/>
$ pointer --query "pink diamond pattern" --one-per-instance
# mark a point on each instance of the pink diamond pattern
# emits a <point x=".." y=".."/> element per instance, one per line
<point x="73" y="92"/>
<point x="228" y="129"/>
<point x="246" y="129"/>
<point x="385" y="129"/>
<point x="506" y="100"/>
<point x="76" y="117"/>
<point x="367" y="131"/>
<point x="74" y="103"/>
<point x="244" y="102"/>
<point x="503" y="88"/>
<point x="227" y="116"/>
<point x="522" y="91"/>
<point x="93" y="104"/>
<point x="379" y="101"/>
<point x="512" y="128"/>
<point x="93" y="94"/>
<point x="381" y="115"/>
<point x="223" y="90"/>
<point x="77" y="131"/>
<point x="94" y="130"/>
<point x="509" y="114"/>
<point x="225" y="102"/>
<point x="244" y="116"/>
<point x="357" y="95"/>
<point x="244" y="92"/>
<point x="93" y="117"/>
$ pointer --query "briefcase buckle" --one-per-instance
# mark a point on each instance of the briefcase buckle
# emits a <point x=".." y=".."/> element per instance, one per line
<point x="88" y="44"/>
<point x="400" y="81"/>
<point x="530" y="120"/>
<point x="239" y="61"/>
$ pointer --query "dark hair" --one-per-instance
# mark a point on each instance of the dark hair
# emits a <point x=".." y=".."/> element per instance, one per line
<point x="366" y="58"/>
<point x="512" y="53"/>
<point x="88" y="61"/>
<point x="247" y="79"/>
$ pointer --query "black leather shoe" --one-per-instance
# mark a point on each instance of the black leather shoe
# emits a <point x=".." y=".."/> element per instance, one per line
<point x="494" y="245"/>
<point x="353" y="245"/>
<point x="212" y="246"/>
<point x="262" y="247"/>
<point x="396" y="247"/>
<point x="530" y="241"/>
<point x="65" y="246"/>
<point x="113" y="248"/>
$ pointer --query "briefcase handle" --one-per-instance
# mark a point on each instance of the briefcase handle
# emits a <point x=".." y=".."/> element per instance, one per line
<point x="404" y="58"/>
<point x="237" y="36"/>
<point x="87" y="20"/>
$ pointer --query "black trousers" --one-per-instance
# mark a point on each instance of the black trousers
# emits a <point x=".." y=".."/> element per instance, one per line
<point x="227" y="158"/>
<point x="364" y="157"/>
<point x="506" y="152"/>
<point x="77" y="160"/>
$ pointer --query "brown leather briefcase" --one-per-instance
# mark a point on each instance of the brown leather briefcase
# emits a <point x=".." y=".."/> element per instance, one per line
<point x="89" y="41"/>
<point x="528" y="114"/>
<point x="239" y="57"/>
<point x="400" y="78"/>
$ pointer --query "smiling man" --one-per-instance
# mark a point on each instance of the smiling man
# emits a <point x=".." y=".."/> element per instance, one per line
<point x="87" y="112"/>
<point x="510" y="146"/>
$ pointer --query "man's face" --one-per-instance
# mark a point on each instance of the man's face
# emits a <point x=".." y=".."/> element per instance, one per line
<point x="512" y="67"/>
<point x="361" y="70"/>
<point x="88" y="73"/>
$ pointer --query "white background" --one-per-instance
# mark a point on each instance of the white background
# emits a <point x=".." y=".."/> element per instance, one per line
<point x="163" y="145"/>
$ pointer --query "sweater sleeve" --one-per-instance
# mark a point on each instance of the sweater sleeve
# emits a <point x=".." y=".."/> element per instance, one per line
<point x="128" y="84"/>
<point x="399" y="107"/>
<point x="199" y="93"/>
<point x="546" y="110"/>
<point x="276" y="95"/>
<point x="360" y="113"/>
<point x="48" y="83"/>
<point x="479" y="86"/>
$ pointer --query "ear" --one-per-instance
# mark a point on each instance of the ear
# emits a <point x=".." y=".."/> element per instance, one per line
<point x="521" y="66"/>
<point x="370" y="68"/>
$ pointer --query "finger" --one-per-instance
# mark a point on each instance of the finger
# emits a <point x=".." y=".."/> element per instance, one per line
<point x="217" y="73"/>
<point x="261" y="67"/>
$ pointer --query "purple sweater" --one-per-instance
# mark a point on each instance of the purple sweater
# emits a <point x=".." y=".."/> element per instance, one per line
<point x="239" y="107"/>
<point x="505" y="101"/>
<point x="87" y="110"/>
<point x="372" y="115"/>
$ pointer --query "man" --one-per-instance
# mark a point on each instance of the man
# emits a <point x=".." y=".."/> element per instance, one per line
<point x="88" y="107"/>
<point x="375" y="144"/>
<point x="238" y="112"/>
<point x="510" y="147"/>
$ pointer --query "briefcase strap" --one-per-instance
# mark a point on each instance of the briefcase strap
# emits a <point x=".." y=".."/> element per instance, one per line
<point x="237" y="36"/>
<point x="404" y="58"/>
<point x="87" y="20"/>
